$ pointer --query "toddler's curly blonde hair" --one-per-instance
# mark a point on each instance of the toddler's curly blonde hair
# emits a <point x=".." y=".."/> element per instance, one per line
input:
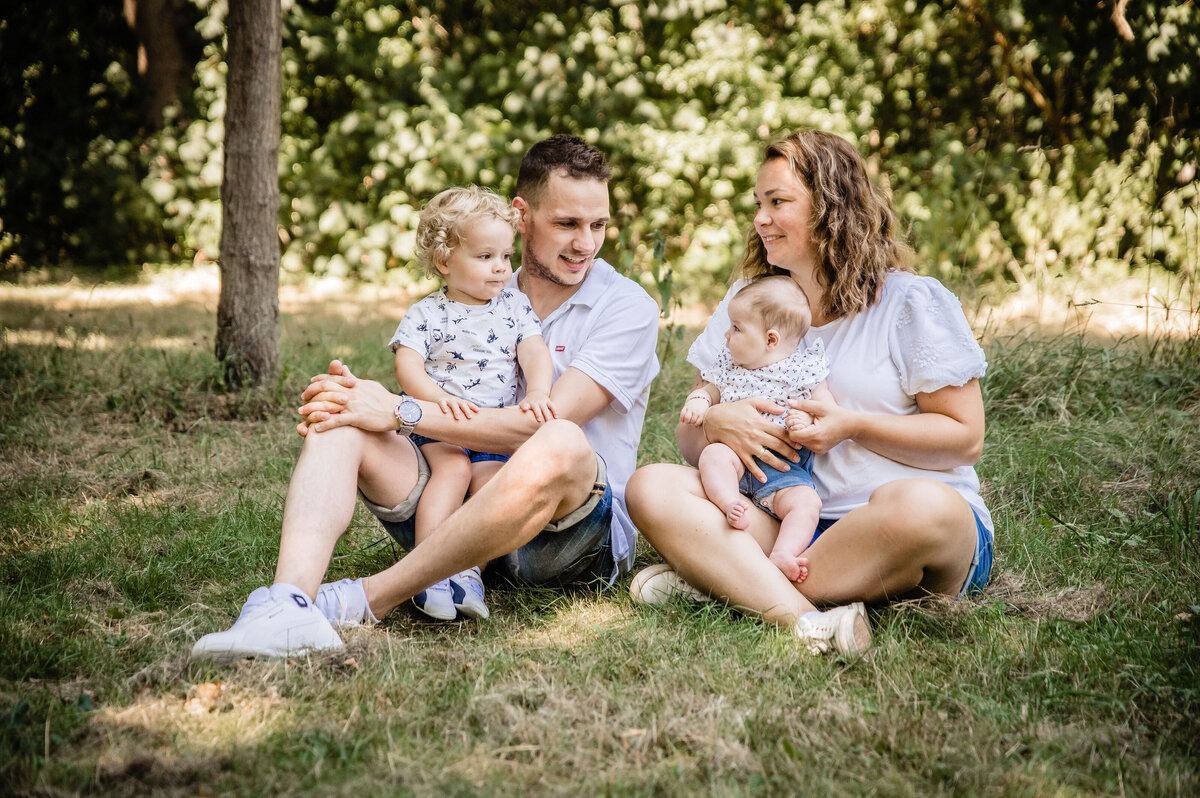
<point x="443" y="219"/>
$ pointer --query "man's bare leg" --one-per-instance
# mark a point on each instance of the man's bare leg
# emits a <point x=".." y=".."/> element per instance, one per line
<point x="323" y="492"/>
<point x="551" y="475"/>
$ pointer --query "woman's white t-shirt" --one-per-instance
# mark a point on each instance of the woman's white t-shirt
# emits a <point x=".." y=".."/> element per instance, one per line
<point x="915" y="339"/>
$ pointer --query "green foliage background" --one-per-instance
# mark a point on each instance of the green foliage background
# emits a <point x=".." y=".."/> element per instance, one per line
<point x="1017" y="136"/>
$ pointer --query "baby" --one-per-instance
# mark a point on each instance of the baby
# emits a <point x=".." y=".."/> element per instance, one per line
<point x="767" y="320"/>
<point x="461" y="347"/>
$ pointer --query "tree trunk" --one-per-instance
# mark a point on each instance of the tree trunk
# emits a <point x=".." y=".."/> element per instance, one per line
<point x="248" y="311"/>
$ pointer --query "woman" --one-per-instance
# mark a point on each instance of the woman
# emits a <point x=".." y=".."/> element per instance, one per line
<point x="901" y="512"/>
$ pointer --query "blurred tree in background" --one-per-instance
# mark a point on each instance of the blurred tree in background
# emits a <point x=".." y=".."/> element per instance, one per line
<point x="1017" y="136"/>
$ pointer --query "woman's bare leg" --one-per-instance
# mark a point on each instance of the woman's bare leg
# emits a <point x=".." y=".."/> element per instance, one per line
<point x="913" y="536"/>
<point x="668" y="504"/>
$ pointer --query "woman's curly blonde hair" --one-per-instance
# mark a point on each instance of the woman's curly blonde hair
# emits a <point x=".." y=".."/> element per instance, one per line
<point x="444" y="218"/>
<point x="853" y="227"/>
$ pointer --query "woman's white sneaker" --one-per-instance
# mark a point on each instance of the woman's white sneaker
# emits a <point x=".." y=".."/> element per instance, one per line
<point x="659" y="584"/>
<point x="841" y="629"/>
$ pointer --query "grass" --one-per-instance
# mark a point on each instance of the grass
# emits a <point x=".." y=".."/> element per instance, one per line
<point x="142" y="504"/>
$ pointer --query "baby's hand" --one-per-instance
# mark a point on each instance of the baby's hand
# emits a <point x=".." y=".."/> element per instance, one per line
<point x="459" y="408"/>
<point x="695" y="408"/>
<point x="539" y="404"/>
<point x="693" y="413"/>
<point x="796" y="420"/>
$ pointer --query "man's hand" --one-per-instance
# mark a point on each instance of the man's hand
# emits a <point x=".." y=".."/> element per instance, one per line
<point x="539" y="404"/>
<point x="327" y="407"/>
<point x="339" y="399"/>
<point x="740" y="426"/>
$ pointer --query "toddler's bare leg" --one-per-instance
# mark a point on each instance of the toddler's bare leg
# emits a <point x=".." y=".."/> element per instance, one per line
<point x="799" y="510"/>
<point x="720" y="471"/>
<point x="449" y="478"/>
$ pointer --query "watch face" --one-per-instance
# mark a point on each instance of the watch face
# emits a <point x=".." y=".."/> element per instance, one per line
<point x="409" y="411"/>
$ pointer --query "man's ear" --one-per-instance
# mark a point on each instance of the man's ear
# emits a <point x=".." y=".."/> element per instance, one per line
<point x="772" y="339"/>
<point x="522" y="208"/>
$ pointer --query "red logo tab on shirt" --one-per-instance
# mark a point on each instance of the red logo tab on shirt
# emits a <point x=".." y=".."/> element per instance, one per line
<point x="560" y="349"/>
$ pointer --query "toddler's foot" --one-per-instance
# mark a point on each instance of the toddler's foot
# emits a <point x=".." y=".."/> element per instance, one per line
<point x="793" y="567"/>
<point x="736" y="514"/>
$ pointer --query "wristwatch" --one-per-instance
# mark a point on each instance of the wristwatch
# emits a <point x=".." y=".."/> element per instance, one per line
<point x="408" y="413"/>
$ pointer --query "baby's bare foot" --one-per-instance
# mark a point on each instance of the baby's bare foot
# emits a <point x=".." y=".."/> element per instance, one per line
<point x="802" y="564"/>
<point x="736" y="514"/>
<point x="793" y="567"/>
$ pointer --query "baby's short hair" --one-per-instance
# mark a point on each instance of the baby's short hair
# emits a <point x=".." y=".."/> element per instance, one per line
<point x="780" y="303"/>
<point x="441" y="227"/>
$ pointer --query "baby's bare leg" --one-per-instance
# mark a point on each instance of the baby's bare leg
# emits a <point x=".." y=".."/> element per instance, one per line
<point x="799" y="510"/>
<point x="720" y="471"/>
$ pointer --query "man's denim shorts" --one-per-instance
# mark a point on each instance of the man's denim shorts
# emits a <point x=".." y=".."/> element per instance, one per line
<point x="472" y="455"/>
<point x="981" y="563"/>
<point x="575" y="550"/>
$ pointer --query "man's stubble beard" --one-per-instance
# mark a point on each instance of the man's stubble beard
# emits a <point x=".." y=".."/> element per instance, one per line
<point x="539" y="270"/>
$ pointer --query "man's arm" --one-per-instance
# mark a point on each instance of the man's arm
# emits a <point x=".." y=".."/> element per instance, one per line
<point x="339" y="399"/>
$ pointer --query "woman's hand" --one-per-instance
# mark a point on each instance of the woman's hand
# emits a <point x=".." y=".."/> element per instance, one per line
<point x="830" y="423"/>
<point x="740" y="426"/>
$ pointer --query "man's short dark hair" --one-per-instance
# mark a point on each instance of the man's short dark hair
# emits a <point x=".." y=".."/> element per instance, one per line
<point x="570" y="155"/>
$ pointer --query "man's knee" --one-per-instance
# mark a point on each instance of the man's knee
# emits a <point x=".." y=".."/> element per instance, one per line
<point x="558" y="450"/>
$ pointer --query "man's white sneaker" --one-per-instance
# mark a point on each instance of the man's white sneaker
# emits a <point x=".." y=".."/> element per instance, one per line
<point x="344" y="603"/>
<point x="466" y="591"/>
<point x="437" y="601"/>
<point x="841" y="629"/>
<point x="659" y="584"/>
<point x="281" y="623"/>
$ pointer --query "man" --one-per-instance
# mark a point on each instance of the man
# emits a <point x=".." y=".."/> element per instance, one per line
<point x="553" y="514"/>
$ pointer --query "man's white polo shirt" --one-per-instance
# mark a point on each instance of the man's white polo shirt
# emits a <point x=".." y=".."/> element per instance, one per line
<point x="608" y="329"/>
